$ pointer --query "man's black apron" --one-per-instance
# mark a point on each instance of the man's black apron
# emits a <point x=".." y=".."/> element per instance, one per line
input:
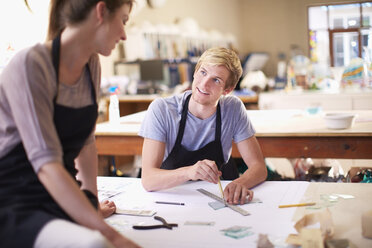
<point x="25" y="205"/>
<point x="180" y="156"/>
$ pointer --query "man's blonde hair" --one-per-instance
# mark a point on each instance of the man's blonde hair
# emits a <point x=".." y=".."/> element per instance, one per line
<point x="226" y="57"/>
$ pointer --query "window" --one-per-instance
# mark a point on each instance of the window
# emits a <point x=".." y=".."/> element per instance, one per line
<point x="20" y="27"/>
<point x="340" y="32"/>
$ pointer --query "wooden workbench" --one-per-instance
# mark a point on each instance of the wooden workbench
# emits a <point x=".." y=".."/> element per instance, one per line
<point x="281" y="133"/>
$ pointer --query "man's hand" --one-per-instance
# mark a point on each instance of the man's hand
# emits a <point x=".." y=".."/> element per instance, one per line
<point x="237" y="193"/>
<point x="205" y="170"/>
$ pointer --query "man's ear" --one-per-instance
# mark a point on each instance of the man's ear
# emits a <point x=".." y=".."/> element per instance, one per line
<point x="101" y="11"/>
<point x="228" y="91"/>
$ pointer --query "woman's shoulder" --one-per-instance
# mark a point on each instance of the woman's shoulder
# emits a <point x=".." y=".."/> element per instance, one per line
<point x="38" y="53"/>
<point x="30" y="60"/>
<point x="27" y="55"/>
<point x="38" y="58"/>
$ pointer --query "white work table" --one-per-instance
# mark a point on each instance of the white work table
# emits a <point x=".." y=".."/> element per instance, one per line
<point x="265" y="218"/>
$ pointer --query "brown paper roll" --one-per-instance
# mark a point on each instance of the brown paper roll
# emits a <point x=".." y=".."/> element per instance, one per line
<point x="367" y="224"/>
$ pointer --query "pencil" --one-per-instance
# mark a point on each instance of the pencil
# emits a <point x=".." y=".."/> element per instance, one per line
<point x="298" y="205"/>
<point x="171" y="203"/>
<point x="221" y="190"/>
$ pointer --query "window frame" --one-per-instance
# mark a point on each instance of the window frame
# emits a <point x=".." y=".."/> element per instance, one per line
<point x="332" y="31"/>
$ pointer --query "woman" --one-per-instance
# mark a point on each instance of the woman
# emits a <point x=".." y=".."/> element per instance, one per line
<point x="48" y="111"/>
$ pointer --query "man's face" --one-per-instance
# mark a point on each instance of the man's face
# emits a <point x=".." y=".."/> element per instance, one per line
<point x="209" y="84"/>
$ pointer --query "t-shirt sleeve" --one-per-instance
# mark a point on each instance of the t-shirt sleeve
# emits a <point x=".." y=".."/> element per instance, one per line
<point x="154" y="125"/>
<point x="30" y="98"/>
<point x="243" y="128"/>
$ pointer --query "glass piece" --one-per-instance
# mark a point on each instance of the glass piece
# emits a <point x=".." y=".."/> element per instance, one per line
<point x="319" y="46"/>
<point x="216" y="205"/>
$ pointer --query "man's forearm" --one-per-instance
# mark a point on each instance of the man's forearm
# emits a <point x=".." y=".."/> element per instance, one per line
<point x="253" y="176"/>
<point x="154" y="179"/>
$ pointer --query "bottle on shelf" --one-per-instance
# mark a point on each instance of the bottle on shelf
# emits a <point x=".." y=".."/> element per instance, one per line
<point x="114" y="112"/>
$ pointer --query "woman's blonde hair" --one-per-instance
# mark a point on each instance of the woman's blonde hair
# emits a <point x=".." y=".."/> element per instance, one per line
<point x="226" y="57"/>
<point x="63" y="12"/>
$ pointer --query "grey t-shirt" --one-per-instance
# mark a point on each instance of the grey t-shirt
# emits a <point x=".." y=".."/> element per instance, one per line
<point x="27" y="89"/>
<point x="163" y="116"/>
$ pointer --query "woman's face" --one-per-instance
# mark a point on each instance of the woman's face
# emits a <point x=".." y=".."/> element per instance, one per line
<point x="112" y="30"/>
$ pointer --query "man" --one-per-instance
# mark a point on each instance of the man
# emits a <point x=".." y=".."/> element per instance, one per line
<point x="189" y="136"/>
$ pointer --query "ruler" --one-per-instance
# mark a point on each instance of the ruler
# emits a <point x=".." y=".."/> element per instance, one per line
<point x="217" y="198"/>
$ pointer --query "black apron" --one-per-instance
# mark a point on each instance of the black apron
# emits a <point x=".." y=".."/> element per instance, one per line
<point x="25" y="205"/>
<point x="180" y="156"/>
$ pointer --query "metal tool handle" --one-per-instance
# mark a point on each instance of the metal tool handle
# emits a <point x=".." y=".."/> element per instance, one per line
<point x="164" y="225"/>
<point x="150" y="227"/>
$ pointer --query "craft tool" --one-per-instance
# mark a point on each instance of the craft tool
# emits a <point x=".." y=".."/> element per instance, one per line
<point x="135" y="212"/>
<point x="200" y="223"/>
<point x="298" y="205"/>
<point x="164" y="225"/>
<point x="233" y="207"/>
<point x="170" y="203"/>
<point x="221" y="190"/>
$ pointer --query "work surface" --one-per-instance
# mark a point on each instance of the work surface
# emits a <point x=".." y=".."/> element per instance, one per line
<point x="264" y="218"/>
<point x="281" y="133"/>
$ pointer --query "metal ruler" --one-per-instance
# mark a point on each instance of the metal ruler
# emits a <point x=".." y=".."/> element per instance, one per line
<point x="233" y="207"/>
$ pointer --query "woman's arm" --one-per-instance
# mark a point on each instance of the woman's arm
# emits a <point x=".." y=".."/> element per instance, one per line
<point x="87" y="165"/>
<point x="65" y="191"/>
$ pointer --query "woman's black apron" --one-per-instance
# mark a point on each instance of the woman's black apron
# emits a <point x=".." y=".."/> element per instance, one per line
<point x="25" y="205"/>
<point x="180" y="156"/>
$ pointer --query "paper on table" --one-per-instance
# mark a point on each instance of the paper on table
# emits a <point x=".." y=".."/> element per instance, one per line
<point x="109" y="190"/>
<point x="127" y="195"/>
<point x="265" y="217"/>
<point x="326" y="230"/>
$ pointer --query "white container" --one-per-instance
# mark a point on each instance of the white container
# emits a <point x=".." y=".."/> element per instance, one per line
<point x="339" y="120"/>
<point x="114" y="112"/>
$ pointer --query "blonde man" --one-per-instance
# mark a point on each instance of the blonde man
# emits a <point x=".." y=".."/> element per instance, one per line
<point x="189" y="136"/>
